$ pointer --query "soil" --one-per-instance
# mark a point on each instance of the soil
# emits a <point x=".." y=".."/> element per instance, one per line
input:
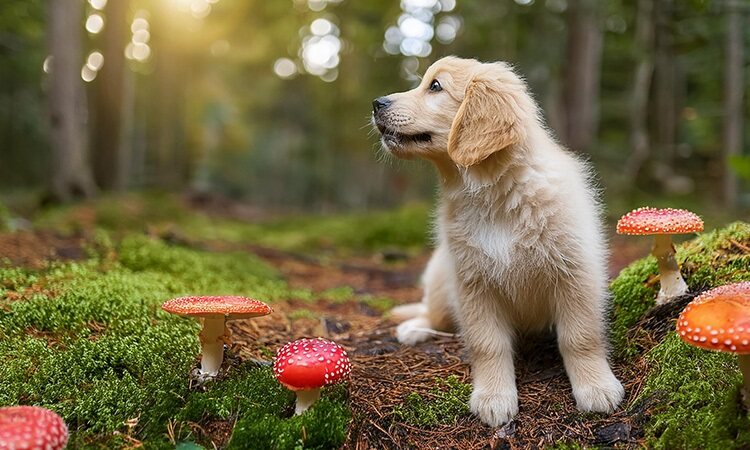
<point x="385" y="372"/>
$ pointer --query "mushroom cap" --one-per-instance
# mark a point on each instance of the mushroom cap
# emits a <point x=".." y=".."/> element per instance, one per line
<point x="718" y="319"/>
<point x="31" y="428"/>
<point x="230" y="306"/>
<point x="310" y="364"/>
<point x="648" y="221"/>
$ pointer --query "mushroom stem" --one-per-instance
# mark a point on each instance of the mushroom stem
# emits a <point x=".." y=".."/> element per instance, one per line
<point x="744" y="363"/>
<point x="672" y="283"/>
<point x="305" y="399"/>
<point x="212" y="345"/>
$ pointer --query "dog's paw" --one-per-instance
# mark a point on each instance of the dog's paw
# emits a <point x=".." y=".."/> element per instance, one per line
<point x="602" y="395"/>
<point x="414" y="331"/>
<point x="494" y="408"/>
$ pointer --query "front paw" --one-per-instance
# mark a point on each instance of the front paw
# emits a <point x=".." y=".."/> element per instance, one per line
<point x="494" y="408"/>
<point x="414" y="331"/>
<point x="602" y="395"/>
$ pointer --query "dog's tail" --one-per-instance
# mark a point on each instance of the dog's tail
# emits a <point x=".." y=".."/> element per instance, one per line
<point x="408" y="311"/>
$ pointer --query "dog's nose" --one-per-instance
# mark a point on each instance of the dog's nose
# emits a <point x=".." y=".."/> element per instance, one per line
<point x="380" y="103"/>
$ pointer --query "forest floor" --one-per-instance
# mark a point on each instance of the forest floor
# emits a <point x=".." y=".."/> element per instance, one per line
<point x="400" y="397"/>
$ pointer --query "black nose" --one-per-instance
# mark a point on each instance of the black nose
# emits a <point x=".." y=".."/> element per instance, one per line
<point x="380" y="103"/>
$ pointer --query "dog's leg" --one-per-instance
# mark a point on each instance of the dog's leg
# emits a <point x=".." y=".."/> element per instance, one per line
<point x="489" y="340"/>
<point x="435" y="311"/>
<point x="580" y="336"/>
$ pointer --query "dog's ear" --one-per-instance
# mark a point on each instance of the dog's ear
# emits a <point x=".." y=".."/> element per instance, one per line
<point x="486" y="123"/>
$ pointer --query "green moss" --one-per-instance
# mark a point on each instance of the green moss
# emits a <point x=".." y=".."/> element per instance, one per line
<point x="380" y="304"/>
<point x="302" y="313"/>
<point x="709" y="260"/>
<point x="445" y="403"/>
<point x="404" y="228"/>
<point x="697" y="396"/>
<point x="90" y="341"/>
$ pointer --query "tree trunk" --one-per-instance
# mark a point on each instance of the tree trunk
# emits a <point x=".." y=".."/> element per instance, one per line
<point x="71" y="175"/>
<point x="664" y="101"/>
<point x="581" y="91"/>
<point x="733" y="93"/>
<point x="644" y="69"/>
<point x="109" y="155"/>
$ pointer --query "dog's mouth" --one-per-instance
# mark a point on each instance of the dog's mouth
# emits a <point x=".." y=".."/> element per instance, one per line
<point x="393" y="138"/>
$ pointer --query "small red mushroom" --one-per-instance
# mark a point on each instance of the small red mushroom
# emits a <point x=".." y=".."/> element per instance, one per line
<point x="662" y="223"/>
<point x="214" y="312"/>
<point x="306" y="365"/>
<point x="719" y="319"/>
<point x="31" y="428"/>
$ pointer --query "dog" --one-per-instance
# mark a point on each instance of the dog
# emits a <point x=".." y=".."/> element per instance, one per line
<point x="520" y="246"/>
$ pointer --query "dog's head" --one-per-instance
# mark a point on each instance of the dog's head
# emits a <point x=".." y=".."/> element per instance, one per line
<point x="463" y="109"/>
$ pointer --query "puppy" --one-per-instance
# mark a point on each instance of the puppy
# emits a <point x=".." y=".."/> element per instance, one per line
<point x="519" y="235"/>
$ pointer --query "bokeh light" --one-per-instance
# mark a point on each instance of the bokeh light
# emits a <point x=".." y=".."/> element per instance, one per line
<point x="47" y="64"/>
<point x="88" y="74"/>
<point x="95" y="60"/>
<point x="98" y="4"/>
<point x="321" y="47"/>
<point x="415" y="27"/>
<point x="138" y="48"/>
<point x="94" y="23"/>
<point x="284" y="68"/>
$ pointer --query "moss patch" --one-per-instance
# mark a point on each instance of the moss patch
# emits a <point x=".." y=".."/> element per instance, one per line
<point x="447" y="401"/>
<point x="405" y="228"/>
<point x="712" y="259"/>
<point x="90" y="341"/>
<point x="698" y="400"/>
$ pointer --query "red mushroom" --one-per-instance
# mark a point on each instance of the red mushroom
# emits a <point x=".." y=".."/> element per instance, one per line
<point x="31" y="428"/>
<point x="719" y="319"/>
<point x="306" y="365"/>
<point x="214" y="312"/>
<point x="662" y="223"/>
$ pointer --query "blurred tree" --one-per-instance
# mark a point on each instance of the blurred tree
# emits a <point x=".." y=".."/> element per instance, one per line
<point x="639" y="137"/>
<point x="109" y="153"/>
<point x="583" y="66"/>
<point x="71" y="174"/>
<point x="733" y="94"/>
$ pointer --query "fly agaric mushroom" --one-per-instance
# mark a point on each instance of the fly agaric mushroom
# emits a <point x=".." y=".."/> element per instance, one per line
<point x="306" y="365"/>
<point x="31" y="428"/>
<point x="719" y="319"/>
<point x="214" y="312"/>
<point x="662" y="223"/>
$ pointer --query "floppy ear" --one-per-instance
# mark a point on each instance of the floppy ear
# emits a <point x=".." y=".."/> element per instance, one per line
<point x="486" y="123"/>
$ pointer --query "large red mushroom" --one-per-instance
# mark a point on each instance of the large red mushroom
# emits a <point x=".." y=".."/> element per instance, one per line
<point x="31" y="428"/>
<point x="306" y="365"/>
<point x="719" y="319"/>
<point x="662" y="223"/>
<point x="214" y="311"/>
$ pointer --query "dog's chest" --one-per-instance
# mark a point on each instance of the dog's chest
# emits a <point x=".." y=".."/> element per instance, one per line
<point x="480" y="238"/>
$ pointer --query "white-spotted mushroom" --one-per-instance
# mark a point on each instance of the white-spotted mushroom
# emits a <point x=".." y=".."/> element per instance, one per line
<point x="306" y="365"/>
<point x="662" y="223"/>
<point x="31" y="428"/>
<point x="719" y="319"/>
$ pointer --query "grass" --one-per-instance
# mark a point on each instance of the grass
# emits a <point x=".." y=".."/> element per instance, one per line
<point x="89" y="340"/>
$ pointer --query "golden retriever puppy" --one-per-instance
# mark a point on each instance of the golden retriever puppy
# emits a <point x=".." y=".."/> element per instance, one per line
<point x="519" y="235"/>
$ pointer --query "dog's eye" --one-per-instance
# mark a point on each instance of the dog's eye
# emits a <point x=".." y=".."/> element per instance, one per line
<point x="435" y="86"/>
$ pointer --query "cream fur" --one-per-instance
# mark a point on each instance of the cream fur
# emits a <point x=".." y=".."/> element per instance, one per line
<point x="519" y="235"/>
